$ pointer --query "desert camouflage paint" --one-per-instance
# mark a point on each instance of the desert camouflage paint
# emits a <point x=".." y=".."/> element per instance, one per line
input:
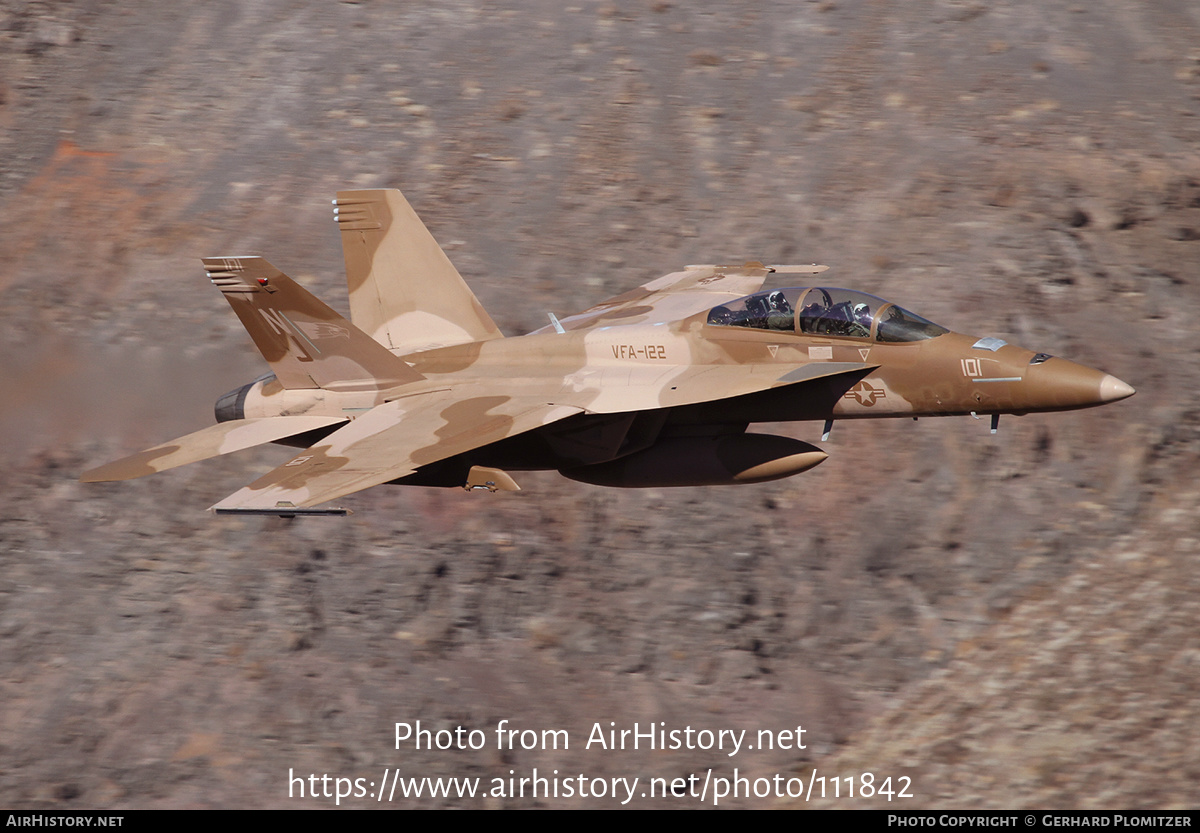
<point x="655" y="387"/>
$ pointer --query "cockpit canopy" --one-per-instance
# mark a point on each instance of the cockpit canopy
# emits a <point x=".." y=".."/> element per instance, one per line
<point x="844" y="313"/>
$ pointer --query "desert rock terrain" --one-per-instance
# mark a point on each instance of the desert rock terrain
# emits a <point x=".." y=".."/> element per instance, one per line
<point x="1008" y="621"/>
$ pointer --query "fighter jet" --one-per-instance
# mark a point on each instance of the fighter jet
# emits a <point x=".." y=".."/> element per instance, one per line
<point x="655" y="387"/>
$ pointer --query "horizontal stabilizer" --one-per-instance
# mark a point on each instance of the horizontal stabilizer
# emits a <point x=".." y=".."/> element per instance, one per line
<point x="212" y="441"/>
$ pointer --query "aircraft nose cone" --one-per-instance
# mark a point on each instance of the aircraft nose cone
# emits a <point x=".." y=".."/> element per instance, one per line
<point x="1062" y="385"/>
<point x="1113" y="389"/>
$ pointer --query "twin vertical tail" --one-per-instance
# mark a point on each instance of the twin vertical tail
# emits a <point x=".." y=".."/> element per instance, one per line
<point x="404" y="292"/>
<point x="405" y="296"/>
<point x="307" y="344"/>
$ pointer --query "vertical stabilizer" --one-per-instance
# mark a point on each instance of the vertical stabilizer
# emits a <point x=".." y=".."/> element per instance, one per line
<point x="404" y="292"/>
<point x="307" y="344"/>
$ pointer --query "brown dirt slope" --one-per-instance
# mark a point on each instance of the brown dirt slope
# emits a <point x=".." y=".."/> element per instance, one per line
<point x="1008" y="620"/>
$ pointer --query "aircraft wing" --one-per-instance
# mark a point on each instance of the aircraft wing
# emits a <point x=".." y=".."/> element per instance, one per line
<point x="395" y="439"/>
<point x="728" y="381"/>
<point x="618" y="390"/>
<point x="679" y="295"/>
<point x="391" y="441"/>
<point x="213" y="441"/>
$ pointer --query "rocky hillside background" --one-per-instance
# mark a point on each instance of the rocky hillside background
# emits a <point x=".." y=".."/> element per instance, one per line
<point x="1008" y="621"/>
